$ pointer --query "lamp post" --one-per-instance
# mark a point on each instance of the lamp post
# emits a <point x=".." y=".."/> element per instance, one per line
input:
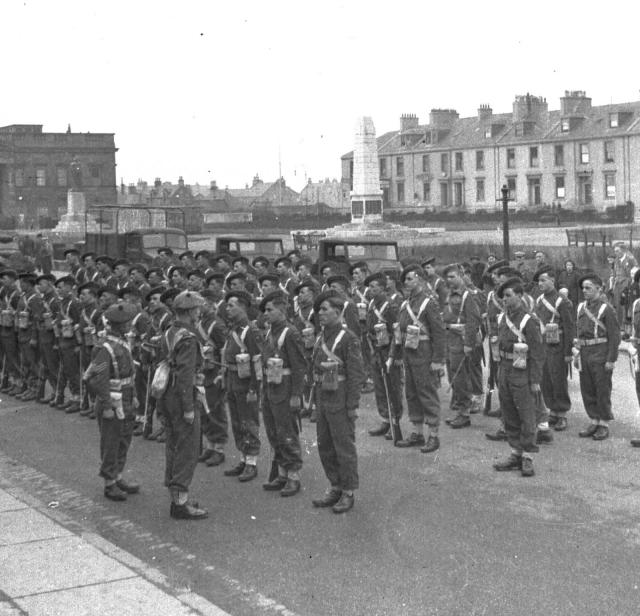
<point x="505" y="220"/>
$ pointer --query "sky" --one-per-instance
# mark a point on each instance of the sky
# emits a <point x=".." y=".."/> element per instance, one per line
<point x="224" y="91"/>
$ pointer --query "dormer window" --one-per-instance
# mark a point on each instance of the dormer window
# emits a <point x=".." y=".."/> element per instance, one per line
<point x="565" y="125"/>
<point x="613" y="120"/>
<point x="487" y="133"/>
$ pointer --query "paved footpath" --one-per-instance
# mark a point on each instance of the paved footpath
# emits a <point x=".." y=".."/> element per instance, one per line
<point x="49" y="566"/>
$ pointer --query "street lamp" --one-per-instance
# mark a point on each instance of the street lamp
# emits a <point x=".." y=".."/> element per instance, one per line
<point x="505" y="220"/>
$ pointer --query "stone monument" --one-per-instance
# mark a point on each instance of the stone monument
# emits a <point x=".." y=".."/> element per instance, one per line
<point x="75" y="222"/>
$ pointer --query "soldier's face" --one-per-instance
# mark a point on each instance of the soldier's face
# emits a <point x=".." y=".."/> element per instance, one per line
<point x="326" y="273"/>
<point x="540" y="257"/>
<point x="85" y="296"/>
<point x="429" y="270"/>
<point x="358" y="276"/>
<point x="491" y="260"/>
<point x="43" y="286"/>
<point x="235" y="308"/>
<point x="545" y="283"/>
<point x="511" y="299"/>
<point x="305" y="297"/>
<point x="617" y="250"/>
<point x="89" y="262"/>
<point x="267" y="287"/>
<point x="336" y="286"/>
<point x="454" y="279"/>
<point x="237" y="284"/>
<point x="194" y="283"/>
<point x="376" y="289"/>
<point x="274" y="313"/>
<point x="281" y="268"/>
<point x="154" y="301"/>
<point x="412" y="281"/>
<point x="260" y="268"/>
<point x="328" y="315"/>
<point x="590" y="290"/>
<point x="239" y="266"/>
<point x="154" y="279"/>
<point x="121" y="271"/>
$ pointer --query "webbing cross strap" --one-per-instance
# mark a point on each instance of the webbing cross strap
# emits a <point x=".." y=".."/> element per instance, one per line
<point x="596" y="319"/>
<point x="518" y="332"/>
<point x="416" y="318"/>
<point x="240" y="339"/>
<point x="464" y="299"/>
<point x="281" y="338"/>
<point x="380" y="312"/>
<point x="552" y="309"/>
<point x="330" y="352"/>
<point x="496" y="303"/>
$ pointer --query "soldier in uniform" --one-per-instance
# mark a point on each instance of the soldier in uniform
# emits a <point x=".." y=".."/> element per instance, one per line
<point x="624" y="263"/>
<point x="72" y="258"/>
<point x="109" y="376"/>
<point x="155" y="277"/>
<point x="387" y="371"/>
<point x="462" y="320"/>
<point x="47" y="308"/>
<point x="521" y="359"/>
<point x="350" y="320"/>
<point x="288" y="279"/>
<point x="597" y="341"/>
<point x="104" y="264"/>
<point x="326" y="271"/>
<point x="177" y="277"/>
<point x="178" y="405"/>
<point x="121" y="273"/>
<point x="260" y="265"/>
<point x="91" y="273"/>
<point x="242" y="361"/>
<point x="338" y="371"/>
<point x="138" y="278"/>
<point x="435" y="284"/>
<point x="195" y="281"/>
<point x="360" y="296"/>
<point x="202" y="262"/>
<point x="556" y="315"/>
<point x="284" y="371"/>
<point x="421" y="332"/>
<point x="29" y="306"/>
<point x="240" y="264"/>
<point x="9" y="295"/>
<point x="90" y="324"/>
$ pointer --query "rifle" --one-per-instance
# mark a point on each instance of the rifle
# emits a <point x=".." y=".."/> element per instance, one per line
<point x="147" y="393"/>
<point x="491" y="385"/>
<point x="394" y="421"/>
<point x="457" y="372"/>
<point x="58" y="380"/>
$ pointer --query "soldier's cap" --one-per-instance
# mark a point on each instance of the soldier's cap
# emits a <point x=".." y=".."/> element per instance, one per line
<point x="9" y="272"/>
<point x="294" y="252"/>
<point x="341" y="279"/>
<point x="519" y="253"/>
<point x="497" y="265"/>
<point x="70" y="280"/>
<point x="121" y="262"/>
<point x="306" y="261"/>
<point x="88" y="254"/>
<point x="547" y="269"/>
<point x="240" y="259"/>
<point x="223" y="256"/>
<point x="260" y="259"/>
<point x="278" y="297"/>
<point x="166" y="250"/>
<point x="285" y="260"/>
<point x="27" y="277"/>
<point x="71" y="251"/>
<point x="197" y="273"/>
<point x="509" y="271"/>
<point x="169" y="294"/>
<point x="112" y="290"/>
<point x="592" y="276"/>
<point x="410" y="260"/>
<point x="187" y="300"/>
<point x="176" y="268"/>
<point x="90" y="285"/>
<point x="510" y="283"/>
<point x="452" y="266"/>
<point x="105" y="259"/>
<point x="209" y="295"/>
<point x="219" y="276"/>
<point x="326" y="264"/>
<point x="120" y="313"/>
<point x="138" y="267"/>
<point x="619" y="245"/>
<point x="376" y="277"/>
<point x="129" y="289"/>
<point x="50" y="277"/>
<point x="361" y="265"/>
<point x="272" y="277"/>
<point x="186" y="253"/>
<point x="154" y="270"/>
<point x="428" y="261"/>
<point x="474" y="258"/>
<point x="155" y="291"/>
<point x="309" y="284"/>
<point x="236" y="276"/>
<point x="413" y="267"/>
<point x="394" y="274"/>
<point x="331" y="296"/>
<point x="242" y="296"/>
<point x="202" y="253"/>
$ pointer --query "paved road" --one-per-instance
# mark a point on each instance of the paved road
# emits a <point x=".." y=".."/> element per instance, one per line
<point x="430" y="534"/>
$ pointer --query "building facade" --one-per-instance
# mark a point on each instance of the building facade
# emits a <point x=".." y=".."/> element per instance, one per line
<point x="35" y="176"/>
<point x="580" y="157"/>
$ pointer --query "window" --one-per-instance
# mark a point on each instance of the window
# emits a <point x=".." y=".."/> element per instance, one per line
<point x="479" y="190"/>
<point x="560" y="191"/>
<point x="383" y="167"/>
<point x="426" y="191"/>
<point x="400" y="192"/>
<point x="584" y="153"/>
<point x="425" y="163"/>
<point x="444" y="163"/>
<point x="609" y="149"/>
<point x="511" y="158"/>
<point x="457" y="194"/>
<point x="41" y="176"/>
<point x="18" y="177"/>
<point x="565" y="125"/>
<point x="613" y="120"/>
<point x="533" y="156"/>
<point x="558" y="155"/>
<point x="586" y="191"/>
<point x="444" y="194"/>
<point x="480" y="160"/>
<point x="61" y="175"/>
<point x="487" y="133"/>
<point x="534" y="191"/>
<point x="94" y="171"/>
<point x="610" y="185"/>
<point x="400" y="166"/>
<point x="511" y="185"/>
<point x="459" y="161"/>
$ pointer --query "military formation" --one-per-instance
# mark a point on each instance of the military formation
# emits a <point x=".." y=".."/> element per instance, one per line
<point x="196" y="344"/>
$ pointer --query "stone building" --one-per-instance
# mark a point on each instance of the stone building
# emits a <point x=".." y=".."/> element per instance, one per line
<point x="580" y="157"/>
<point x="273" y="197"/>
<point x="330" y="193"/>
<point x="34" y="171"/>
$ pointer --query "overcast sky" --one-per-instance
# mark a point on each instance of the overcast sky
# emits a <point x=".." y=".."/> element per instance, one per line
<point x="216" y="90"/>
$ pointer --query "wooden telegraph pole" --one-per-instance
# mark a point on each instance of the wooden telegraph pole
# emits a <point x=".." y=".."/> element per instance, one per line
<point x="505" y="221"/>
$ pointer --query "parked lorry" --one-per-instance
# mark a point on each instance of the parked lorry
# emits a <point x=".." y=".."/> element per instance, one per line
<point x="379" y="254"/>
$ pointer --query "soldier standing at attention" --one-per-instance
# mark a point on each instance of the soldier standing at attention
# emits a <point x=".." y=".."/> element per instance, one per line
<point x="435" y="285"/>
<point x="556" y="315"/>
<point x="521" y="359"/>
<point x="598" y="337"/>
<point x="421" y="332"/>
<point x="29" y="306"/>
<point x="622" y="278"/>
<point x="177" y="406"/>
<point x="285" y="366"/>
<point x="339" y="374"/>
<point x="110" y="379"/>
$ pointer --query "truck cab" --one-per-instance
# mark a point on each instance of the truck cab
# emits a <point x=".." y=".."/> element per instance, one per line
<point x="378" y="254"/>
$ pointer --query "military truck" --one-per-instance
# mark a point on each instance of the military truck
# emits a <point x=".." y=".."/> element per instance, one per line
<point x="250" y="246"/>
<point x="379" y="254"/>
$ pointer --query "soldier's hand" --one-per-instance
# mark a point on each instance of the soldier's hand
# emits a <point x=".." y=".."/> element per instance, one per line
<point x="389" y="363"/>
<point x="219" y="381"/>
<point x="535" y="388"/>
<point x="467" y="350"/>
<point x="189" y="416"/>
<point x="609" y="365"/>
<point x="33" y="342"/>
<point x="252" y="396"/>
<point x="294" y="402"/>
<point x="108" y="414"/>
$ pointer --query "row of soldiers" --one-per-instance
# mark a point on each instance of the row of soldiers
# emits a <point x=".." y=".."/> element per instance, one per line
<point x="294" y="344"/>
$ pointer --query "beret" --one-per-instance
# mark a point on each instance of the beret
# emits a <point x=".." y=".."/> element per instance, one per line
<point x="88" y="254"/>
<point x="121" y="262"/>
<point x="91" y="286"/>
<point x="29" y="277"/>
<point x="49" y="277"/>
<point x="309" y="284"/>
<point x="242" y="296"/>
<point x="285" y="260"/>
<point x="186" y="253"/>
<point x="590" y="276"/>
<point x="155" y="270"/>
<point x="165" y="249"/>
<point x="498" y="264"/>
<point x="277" y="296"/>
<point x="452" y="266"/>
<point x="196" y="273"/>
<point x="9" y="272"/>
<point x="112" y="290"/>
<point x="362" y="265"/>
<point x="413" y="267"/>
<point x="129" y="289"/>
<point x="272" y="277"/>
<point x="377" y="277"/>
<point x="544" y="270"/>
<point x="260" y="259"/>
<point x="236" y="276"/>
<point x="155" y="291"/>
<point x="219" y="276"/>
<point x="70" y="280"/>
<point x="224" y="256"/>
<point x="240" y="259"/>
<point x="169" y="294"/>
<point x="340" y="279"/>
<point x="120" y="313"/>
<point x="508" y="284"/>
<point x="428" y="261"/>
<point x="71" y="251"/>
<point x="332" y="295"/>
<point x="203" y="253"/>
<point x="187" y="300"/>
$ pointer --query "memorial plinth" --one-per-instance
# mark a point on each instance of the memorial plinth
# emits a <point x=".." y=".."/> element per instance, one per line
<point x="75" y="223"/>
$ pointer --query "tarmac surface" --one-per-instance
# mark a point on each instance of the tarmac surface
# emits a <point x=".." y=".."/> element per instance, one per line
<point x="429" y="534"/>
